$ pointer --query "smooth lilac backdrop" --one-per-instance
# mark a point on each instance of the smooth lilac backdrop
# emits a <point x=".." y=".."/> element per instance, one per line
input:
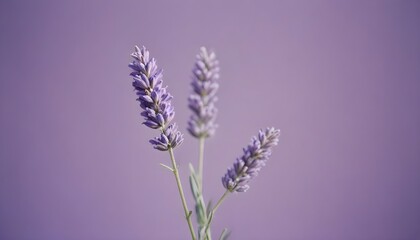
<point x="340" y="78"/>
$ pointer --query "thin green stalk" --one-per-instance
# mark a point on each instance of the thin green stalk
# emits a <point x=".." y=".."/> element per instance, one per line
<point x="201" y="162"/>
<point x="181" y="193"/>
<point x="200" y="179"/>
<point x="219" y="202"/>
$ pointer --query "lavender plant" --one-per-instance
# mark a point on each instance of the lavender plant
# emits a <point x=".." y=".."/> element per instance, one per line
<point x="155" y="102"/>
<point x="158" y="113"/>
<point x="201" y="124"/>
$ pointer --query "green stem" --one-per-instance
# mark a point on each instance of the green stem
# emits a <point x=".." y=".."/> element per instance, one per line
<point x="181" y="193"/>
<point x="220" y="201"/>
<point x="200" y="179"/>
<point x="201" y="162"/>
<point x="222" y="198"/>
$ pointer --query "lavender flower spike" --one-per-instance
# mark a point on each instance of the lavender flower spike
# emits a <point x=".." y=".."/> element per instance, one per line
<point x="201" y="101"/>
<point x="250" y="163"/>
<point x="154" y="99"/>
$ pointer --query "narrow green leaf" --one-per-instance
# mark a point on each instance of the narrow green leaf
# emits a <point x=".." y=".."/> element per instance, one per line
<point x="209" y="207"/>
<point x="194" y="187"/>
<point x="191" y="167"/>
<point x="167" y="167"/>
<point x="225" y="234"/>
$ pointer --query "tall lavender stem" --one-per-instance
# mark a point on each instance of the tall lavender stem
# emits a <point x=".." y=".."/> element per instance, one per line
<point x="201" y="123"/>
<point x="158" y="113"/>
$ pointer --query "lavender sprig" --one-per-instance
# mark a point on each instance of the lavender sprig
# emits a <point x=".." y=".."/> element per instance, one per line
<point x="202" y="100"/>
<point x="158" y="113"/>
<point x="201" y="123"/>
<point x="154" y="99"/>
<point x="247" y="166"/>
<point x="250" y="163"/>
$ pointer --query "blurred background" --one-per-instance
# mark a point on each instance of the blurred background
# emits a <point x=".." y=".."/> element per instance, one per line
<point x="339" y="78"/>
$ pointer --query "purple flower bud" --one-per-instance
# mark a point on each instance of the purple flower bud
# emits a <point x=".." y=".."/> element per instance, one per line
<point x="154" y="99"/>
<point x="170" y="137"/>
<point x="202" y="99"/>
<point x="250" y="163"/>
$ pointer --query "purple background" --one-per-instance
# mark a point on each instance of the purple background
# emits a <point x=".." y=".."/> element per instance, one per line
<point x="341" y="79"/>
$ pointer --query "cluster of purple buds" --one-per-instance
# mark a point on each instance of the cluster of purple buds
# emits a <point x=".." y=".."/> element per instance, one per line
<point x="250" y="163"/>
<point x="170" y="137"/>
<point x="154" y="99"/>
<point x="202" y="100"/>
